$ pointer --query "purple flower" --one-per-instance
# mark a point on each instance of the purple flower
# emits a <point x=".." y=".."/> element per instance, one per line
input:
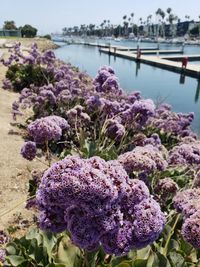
<point x="149" y="222"/>
<point x="28" y="150"/>
<point x="185" y="154"/>
<point x="2" y="255"/>
<point x="98" y="204"/>
<point x="77" y="117"/>
<point x="153" y="140"/>
<point x="7" y="84"/>
<point x="145" y="159"/>
<point x="139" y="112"/>
<point x="118" y="241"/>
<point x="94" y="102"/>
<point x="191" y="230"/>
<point x="3" y="238"/>
<point x="83" y="230"/>
<point x="185" y="197"/>
<point x="61" y="122"/>
<point x="47" y="128"/>
<point x="136" y="192"/>
<point x="115" y="130"/>
<point x="165" y="189"/>
<point x="177" y="124"/>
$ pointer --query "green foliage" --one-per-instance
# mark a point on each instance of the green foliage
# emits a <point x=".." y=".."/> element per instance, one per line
<point x="28" y="31"/>
<point x="9" y="25"/>
<point x="196" y="30"/>
<point x="22" y="76"/>
<point x="38" y="248"/>
<point x="47" y="36"/>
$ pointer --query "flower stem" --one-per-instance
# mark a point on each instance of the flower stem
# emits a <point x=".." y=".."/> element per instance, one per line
<point x="170" y="235"/>
<point x="48" y="153"/>
<point x="85" y="262"/>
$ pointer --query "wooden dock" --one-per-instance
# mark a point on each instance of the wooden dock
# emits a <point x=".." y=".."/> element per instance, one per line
<point x="157" y="61"/>
<point x="179" y="58"/>
<point x="160" y="52"/>
<point x="120" y="48"/>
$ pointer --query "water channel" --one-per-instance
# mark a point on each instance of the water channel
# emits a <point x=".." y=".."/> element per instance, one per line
<point x="183" y="93"/>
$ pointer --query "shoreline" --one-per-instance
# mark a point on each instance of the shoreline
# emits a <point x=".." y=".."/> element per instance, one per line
<point x="43" y="43"/>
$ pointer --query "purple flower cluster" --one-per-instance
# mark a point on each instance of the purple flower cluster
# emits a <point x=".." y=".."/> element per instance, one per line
<point x="4" y="238"/>
<point x="186" y="153"/>
<point x="48" y="128"/>
<point x="145" y="159"/>
<point x="77" y="117"/>
<point x="115" y="130"/>
<point x="139" y="112"/>
<point x="153" y="140"/>
<point x="165" y="189"/>
<point x="28" y="150"/>
<point x="99" y="205"/>
<point x="191" y="229"/>
<point x="2" y="255"/>
<point x="34" y="56"/>
<point x="106" y="81"/>
<point x="177" y="124"/>
<point x="183" y="200"/>
<point x="188" y="203"/>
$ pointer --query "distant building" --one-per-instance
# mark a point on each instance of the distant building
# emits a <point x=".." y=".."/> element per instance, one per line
<point x="12" y="33"/>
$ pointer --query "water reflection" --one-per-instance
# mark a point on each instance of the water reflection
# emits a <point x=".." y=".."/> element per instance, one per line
<point x="182" y="78"/>
<point x="137" y="68"/>
<point x="197" y="92"/>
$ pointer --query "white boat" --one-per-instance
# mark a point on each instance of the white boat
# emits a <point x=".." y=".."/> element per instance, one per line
<point x="117" y="39"/>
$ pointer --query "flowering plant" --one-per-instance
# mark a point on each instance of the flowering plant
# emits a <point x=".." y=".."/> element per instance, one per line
<point x="124" y="182"/>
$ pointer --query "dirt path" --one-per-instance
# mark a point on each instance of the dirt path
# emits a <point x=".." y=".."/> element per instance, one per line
<point x="14" y="170"/>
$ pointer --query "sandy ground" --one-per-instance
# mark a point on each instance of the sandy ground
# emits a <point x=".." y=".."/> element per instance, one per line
<point x="14" y="170"/>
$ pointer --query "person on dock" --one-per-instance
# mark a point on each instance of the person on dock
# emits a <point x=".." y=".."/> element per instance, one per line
<point x="184" y="62"/>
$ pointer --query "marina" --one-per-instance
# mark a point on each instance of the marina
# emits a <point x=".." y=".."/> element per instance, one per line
<point x="161" y="84"/>
<point x="160" y="62"/>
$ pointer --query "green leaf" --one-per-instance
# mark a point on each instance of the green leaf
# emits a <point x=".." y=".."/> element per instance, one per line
<point x="34" y="234"/>
<point x="163" y="261"/>
<point x="143" y="253"/>
<point x="123" y="265"/>
<point x="16" y="260"/>
<point x="140" y="263"/>
<point x="11" y="249"/>
<point x="49" y="241"/>
<point x="55" y="265"/>
<point x="132" y="254"/>
<point x="185" y="246"/>
<point x="68" y="254"/>
<point x="176" y="259"/>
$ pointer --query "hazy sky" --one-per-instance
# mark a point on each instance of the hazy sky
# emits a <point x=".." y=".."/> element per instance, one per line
<point x="52" y="15"/>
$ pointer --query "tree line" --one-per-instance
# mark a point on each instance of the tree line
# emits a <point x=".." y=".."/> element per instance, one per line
<point x="26" y="30"/>
<point x="162" y="24"/>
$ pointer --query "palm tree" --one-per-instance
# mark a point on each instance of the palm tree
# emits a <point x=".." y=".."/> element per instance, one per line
<point x="140" y="24"/>
<point x="199" y="26"/>
<point x="132" y="16"/>
<point x="171" y="20"/>
<point x="161" y="14"/>
<point x="125" y="23"/>
<point x="187" y="17"/>
<point x="149" y="24"/>
<point x="158" y="25"/>
<point x="170" y="17"/>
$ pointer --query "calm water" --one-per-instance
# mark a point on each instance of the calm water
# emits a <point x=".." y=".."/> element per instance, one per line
<point x="183" y="93"/>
